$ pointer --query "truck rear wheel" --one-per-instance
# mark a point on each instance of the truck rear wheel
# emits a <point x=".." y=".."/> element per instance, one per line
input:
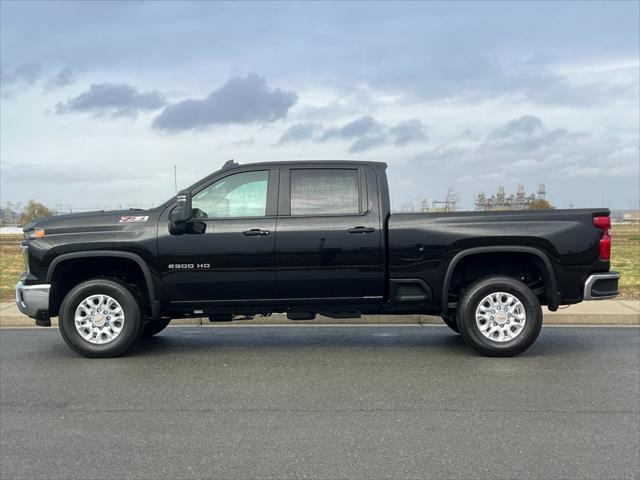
<point x="499" y="316"/>
<point x="100" y="318"/>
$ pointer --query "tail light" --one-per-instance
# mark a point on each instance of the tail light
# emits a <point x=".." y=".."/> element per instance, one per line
<point x="604" y="223"/>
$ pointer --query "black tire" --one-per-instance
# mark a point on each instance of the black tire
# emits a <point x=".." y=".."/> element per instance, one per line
<point x="470" y="330"/>
<point x="131" y="327"/>
<point x="451" y="322"/>
<point x="153" y="327"/>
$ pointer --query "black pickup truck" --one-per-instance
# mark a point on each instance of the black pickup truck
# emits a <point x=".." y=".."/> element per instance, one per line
<point x="308" y="238"/>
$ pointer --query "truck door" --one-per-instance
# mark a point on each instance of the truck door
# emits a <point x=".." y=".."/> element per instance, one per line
<point x="329" y="234"/>
<point x="234" y="259"/>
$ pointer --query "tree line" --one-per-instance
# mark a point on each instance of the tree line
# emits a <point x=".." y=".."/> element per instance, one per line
<point x="32" y="211"/>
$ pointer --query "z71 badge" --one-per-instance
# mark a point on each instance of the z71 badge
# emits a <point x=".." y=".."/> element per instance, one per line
<point x="133" y="218"/>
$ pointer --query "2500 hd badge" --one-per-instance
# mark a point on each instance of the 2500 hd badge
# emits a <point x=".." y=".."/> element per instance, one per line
<point x="189" y="266"/>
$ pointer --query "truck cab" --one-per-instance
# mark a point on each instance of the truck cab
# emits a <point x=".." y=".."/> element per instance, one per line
<point x="277" y="234"/>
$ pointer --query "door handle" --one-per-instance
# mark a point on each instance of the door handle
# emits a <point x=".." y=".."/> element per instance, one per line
<point x="256" y="231"/>
<point x="361" y="230"/>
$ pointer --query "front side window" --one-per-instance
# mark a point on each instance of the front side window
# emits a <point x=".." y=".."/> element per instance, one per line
<point x="316" y="191"/>
<point x="238" y="195"/>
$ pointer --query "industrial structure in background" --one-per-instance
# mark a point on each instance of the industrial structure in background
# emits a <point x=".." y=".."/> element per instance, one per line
<point x="630" y="217"/>
<point x="500" y="201"/>
<point x="421" y="205"/>
<point x="518" y="201"/>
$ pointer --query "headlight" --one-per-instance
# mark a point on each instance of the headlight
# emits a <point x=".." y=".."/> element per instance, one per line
<point x="31" y="234"/>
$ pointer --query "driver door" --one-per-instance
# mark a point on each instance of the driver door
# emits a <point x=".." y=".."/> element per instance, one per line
<point x="233" y="261"/>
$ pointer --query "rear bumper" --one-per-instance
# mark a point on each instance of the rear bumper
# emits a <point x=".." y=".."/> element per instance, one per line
<point x="32" y="299"/>
<point x="600" y="286"/>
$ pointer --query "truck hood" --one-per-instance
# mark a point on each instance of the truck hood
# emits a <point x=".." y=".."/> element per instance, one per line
<point x="94" y="221"/>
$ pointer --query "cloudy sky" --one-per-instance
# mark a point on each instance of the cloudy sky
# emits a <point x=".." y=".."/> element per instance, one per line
<point x="101" y="99"/>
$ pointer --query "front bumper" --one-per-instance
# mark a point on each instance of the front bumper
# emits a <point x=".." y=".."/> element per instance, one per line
<point x="600" y="286"/>
<point x="32" y="299"/>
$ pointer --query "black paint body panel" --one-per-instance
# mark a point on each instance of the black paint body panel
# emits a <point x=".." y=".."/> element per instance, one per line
<point x="423" y="244"/>
<point x="318" y="258"/>
<point x="315" y="262"/>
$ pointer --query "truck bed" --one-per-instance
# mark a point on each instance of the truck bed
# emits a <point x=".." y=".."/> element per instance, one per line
<point x="422" y="245"/>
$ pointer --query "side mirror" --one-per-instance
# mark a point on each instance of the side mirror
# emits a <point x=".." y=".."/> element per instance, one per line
<point x="182" y="212"/>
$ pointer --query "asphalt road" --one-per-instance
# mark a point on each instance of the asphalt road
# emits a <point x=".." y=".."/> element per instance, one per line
<point x="321" y="402"/>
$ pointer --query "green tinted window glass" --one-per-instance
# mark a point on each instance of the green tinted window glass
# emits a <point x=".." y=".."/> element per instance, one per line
<point x="239" y="195"/>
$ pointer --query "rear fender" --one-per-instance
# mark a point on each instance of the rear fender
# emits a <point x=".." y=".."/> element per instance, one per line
<point x="550" y="281"/>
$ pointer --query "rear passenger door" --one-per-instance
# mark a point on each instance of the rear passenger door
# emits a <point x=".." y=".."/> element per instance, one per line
<point x="329" y="234"/>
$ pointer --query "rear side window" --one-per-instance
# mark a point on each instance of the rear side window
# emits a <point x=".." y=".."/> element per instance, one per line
<point x="317" y="191"/>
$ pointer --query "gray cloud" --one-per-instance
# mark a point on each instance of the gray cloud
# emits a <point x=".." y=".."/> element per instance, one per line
<point x="28" y="75"/>
<point x="479" y="61"/>
<point x="240" y="100"/>
<point x="526" y="138"/>
<point x="22" y="76"/>
<point x="407" y="132"/>
<point x="526" y="151"/>
<point x="526" y="133"/>
<point x="367" y="143"/>
<point x="470" y="76"/>
<point x="64" y="77"/>
<point x="525" y="125"/>
<point x="116" y="100"/>
<point x="299" y="133"/>
<point x="365" y="133"/>
<point x="365" y="125"/>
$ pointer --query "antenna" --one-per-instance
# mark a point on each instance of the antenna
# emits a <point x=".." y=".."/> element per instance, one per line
<point x="229" y="164"/>
<point x="175" y="178"/>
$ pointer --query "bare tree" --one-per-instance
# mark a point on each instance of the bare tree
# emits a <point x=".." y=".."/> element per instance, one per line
<point x="34" y="211"/>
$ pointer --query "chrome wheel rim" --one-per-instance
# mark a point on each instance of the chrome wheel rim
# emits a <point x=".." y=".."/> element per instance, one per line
<point x="501" y="317"/>
<point x="99" y="319"/>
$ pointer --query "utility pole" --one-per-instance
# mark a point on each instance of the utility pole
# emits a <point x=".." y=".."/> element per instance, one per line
<point x="175" y="178"/>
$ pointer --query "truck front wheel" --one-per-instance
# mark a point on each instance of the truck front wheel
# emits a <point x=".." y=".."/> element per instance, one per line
<point x="100" y="318"/>
<point x="499" y="316"/>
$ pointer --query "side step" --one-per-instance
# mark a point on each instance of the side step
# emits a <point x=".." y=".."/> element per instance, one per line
<point x="229" y="317"/>
<point x="301" y="315"/>
<point x="329" y="314"/>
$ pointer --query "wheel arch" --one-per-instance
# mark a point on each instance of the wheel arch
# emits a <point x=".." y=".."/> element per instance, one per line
<point x="551" y="283"/>
<point x="127" y="256"/>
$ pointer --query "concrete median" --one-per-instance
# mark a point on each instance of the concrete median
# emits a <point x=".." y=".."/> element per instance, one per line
<point x="604" y="312"/>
